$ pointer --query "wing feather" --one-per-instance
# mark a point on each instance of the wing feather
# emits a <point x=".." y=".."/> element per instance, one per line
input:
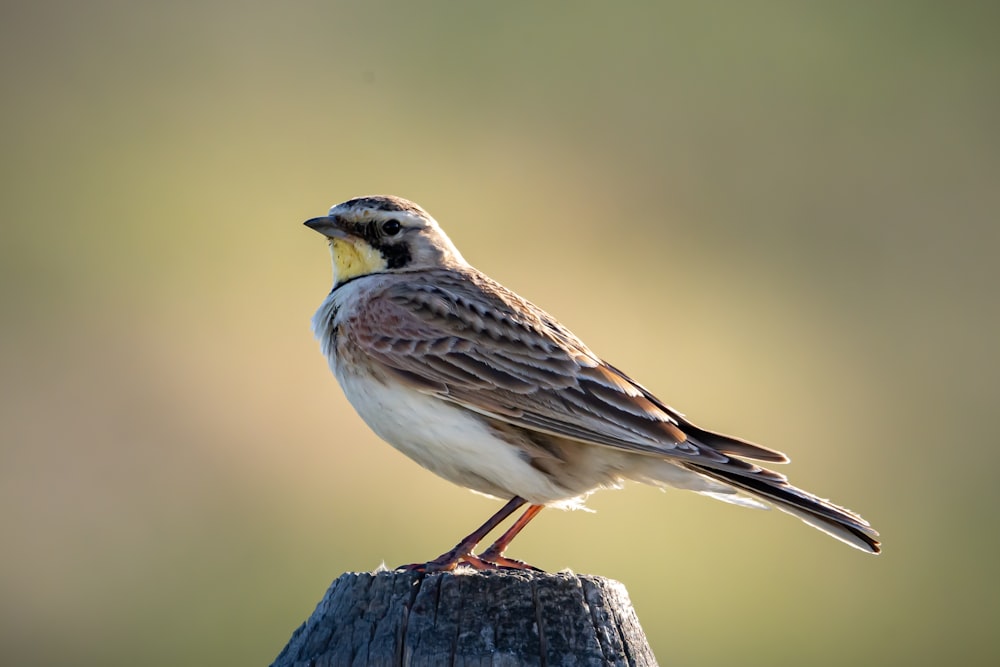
<point x="469" y="340"/>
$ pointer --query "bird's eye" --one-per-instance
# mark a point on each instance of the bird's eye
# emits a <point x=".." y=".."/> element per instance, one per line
<point x="391" y="227"/>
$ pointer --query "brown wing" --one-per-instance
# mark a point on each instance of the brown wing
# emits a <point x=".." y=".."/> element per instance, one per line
<point x="469" y="340"/>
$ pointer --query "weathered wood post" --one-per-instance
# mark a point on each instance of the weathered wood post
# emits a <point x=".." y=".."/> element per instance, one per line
<point x="495" y="618"/>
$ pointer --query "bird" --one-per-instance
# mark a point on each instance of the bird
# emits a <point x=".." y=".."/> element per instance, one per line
<point x="487" y="390"/>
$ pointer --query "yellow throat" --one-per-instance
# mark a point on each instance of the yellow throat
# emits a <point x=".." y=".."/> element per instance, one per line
<point x="353" y="258"/>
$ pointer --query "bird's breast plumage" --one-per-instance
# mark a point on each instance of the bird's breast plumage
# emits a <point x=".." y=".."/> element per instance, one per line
<point x="447" y="439"/>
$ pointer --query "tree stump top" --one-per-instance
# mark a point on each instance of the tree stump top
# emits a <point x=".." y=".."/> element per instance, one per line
<point x="494" y="618"/>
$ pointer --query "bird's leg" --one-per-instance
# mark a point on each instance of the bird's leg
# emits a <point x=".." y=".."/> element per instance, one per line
<point x="494" y="554"/>
<point x="463" y="550"/>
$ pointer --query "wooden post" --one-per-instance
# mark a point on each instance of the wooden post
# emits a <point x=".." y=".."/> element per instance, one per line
<point x="495" y="618"/>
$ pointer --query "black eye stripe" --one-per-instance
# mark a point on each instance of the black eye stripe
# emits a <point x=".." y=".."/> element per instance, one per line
<point x="396" y="256"/>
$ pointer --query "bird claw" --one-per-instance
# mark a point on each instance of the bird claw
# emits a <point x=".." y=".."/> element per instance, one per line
<point x="501" y="562"/>
<point x="482" y="563"/>
<point x="436" y="565"/>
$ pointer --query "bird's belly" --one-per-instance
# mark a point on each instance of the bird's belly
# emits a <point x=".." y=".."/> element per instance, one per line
<point x="449" y="440"/>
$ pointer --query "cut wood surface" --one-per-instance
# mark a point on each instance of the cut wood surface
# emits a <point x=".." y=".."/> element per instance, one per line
<point x="495" y="618"/>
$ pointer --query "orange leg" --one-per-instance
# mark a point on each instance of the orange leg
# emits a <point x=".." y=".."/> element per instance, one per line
<point x="494" y="554"/>
<point x="463" y="550"/>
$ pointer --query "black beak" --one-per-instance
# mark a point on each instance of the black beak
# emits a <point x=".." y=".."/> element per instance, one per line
<point x="327" y="226"/>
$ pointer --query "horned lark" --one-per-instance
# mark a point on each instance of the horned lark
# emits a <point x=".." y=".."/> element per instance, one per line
<point x="490" y="392"/>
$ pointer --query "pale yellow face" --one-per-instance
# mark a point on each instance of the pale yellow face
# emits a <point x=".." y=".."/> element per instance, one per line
<point x="354" y="257"/>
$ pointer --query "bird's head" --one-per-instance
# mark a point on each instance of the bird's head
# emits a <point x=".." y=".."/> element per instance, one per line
<point x="383" y="234"/>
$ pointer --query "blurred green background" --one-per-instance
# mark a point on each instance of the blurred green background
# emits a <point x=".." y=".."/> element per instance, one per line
<point x="783" y="218"/>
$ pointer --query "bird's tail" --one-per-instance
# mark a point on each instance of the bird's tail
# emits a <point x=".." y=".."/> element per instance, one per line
<point x="817" y="512"/>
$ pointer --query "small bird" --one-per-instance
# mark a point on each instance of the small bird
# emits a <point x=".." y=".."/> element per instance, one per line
<point x="492" y="393"/>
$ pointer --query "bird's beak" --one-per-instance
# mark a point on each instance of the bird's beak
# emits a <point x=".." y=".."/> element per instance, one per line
<point x="328" y="226"/>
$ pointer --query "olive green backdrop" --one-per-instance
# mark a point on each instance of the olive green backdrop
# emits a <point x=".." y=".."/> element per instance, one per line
<point x="780" y="217"/>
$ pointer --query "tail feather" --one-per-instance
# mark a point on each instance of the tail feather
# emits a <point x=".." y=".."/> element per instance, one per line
<point x="817" y="512"/>
<point x="728" y="444"/>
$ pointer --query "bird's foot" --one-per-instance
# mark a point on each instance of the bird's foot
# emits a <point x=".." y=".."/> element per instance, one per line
<point x="492" y="558"/>
<point x="449" y="562"/>
<point x="443" y="563"/>
<point x="498" y="561"/>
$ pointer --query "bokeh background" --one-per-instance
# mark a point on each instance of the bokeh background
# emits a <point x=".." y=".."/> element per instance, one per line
<point x="784" y="218"/>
